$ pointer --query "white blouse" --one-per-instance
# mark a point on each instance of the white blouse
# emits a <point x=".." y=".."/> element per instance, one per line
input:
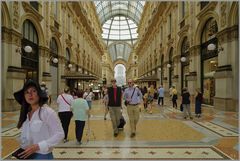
<point x="45" y="131"/>
<point x="63" y="106"/>
<point x="88" y="96"/>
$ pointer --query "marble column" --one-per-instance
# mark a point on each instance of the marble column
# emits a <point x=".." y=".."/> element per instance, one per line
<point x="226" y="75"/>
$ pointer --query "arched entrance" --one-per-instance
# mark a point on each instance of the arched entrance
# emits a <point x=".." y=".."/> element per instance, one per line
<point x="184" y="65"/>
<point x="209" y="61"/>
<point x="170" y="67"/>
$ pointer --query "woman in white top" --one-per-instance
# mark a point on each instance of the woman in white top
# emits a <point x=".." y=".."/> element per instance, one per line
<point x="64" y="111"/>
<point x="88" y="95"/>
<point x="41" y="127"/>
<point x="105" y="101"/>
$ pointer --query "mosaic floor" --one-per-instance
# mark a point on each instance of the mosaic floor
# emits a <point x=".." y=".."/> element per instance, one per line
<point x="163" y="135"/>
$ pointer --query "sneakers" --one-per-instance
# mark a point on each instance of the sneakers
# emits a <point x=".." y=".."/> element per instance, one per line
<point x="65" y="140"/>
<point x="132" y="135"/>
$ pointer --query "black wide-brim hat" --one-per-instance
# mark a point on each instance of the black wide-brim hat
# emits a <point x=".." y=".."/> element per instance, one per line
<point x="19" y="95"/>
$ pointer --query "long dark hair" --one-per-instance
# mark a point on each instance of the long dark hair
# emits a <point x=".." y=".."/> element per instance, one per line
<point x="26" y="107"/>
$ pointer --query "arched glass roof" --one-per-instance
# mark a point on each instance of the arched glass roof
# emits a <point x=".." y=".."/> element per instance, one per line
<point x="108" y="9"/>
<point x="119" y="51"/>
<point x="119" y="20"/>
<point x="119" y="28"/>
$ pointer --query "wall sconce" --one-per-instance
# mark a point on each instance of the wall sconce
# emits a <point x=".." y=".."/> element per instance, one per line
<point x="159" y="69"/>
<point x="183" y="59"/>
<point x="27" y="49"/>
<point x="53" y="59"/>
<point x="153" y="72"/>
<point x="69" y="65"/>
<point x="212" y="47"/>
<point x="169" y="65"/>
<point x="80" y="70"/>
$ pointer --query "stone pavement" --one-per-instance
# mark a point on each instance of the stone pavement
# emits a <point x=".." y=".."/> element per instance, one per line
<point x="161" y="135"/>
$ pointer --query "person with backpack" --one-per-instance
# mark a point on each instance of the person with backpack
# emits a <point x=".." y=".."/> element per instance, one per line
<point x="198" y="103"/>
<point x="115" y="105"/>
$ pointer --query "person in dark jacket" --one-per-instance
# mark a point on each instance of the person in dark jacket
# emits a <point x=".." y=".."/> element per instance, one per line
<point x="115" y="104"/>
<point x="198" y="103"/>
<point x="186" y="103"/>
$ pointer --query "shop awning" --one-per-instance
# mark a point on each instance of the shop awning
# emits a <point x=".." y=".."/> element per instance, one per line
<point x="148" y="78"/>
<point x="79" y="76"/>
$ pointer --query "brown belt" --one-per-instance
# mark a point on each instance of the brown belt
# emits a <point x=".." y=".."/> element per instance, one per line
<point x="133" y="104"/>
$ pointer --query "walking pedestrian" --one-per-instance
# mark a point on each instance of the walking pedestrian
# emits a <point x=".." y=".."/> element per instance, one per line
<point x="133" y="96"/>
<point x="80" y="110"/>
<point x="186" y="103"/>
<point x="89" y="95"/>
<point x="115" y="104"/>
<point x="161" y="95"/>
<point x="174" y="97"/>
<point x="64" y="101"/>
<point x="40" y="126"/>
<point x="198" y="103"/>
<point x="105" y="102"/>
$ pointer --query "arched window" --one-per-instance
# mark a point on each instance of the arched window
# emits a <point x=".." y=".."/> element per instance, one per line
<point x="67" y="58"/>
<point x="162" y="70"/>
<point x="171" y="67"/>
<point x="53" y="51"/>
<point x="184" y="65"/>
<point x="30" y="60"/>
<point x="209" y="60"/>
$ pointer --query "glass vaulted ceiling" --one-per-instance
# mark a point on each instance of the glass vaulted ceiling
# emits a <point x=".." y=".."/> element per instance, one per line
<point x="119" y="20"/>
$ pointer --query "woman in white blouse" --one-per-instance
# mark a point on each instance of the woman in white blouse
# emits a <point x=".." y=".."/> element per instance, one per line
<point x="88" y="96"/>
<point x="65" y="114"/>
<point x="41" y="127"/>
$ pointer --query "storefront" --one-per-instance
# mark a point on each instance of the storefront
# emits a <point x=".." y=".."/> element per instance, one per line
<point x="209" y="61"/>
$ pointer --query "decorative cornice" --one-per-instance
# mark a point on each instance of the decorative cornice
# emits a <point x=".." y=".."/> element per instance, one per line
<point x="15" y="69"/>
<point x="55" y="31"/>
<point x="11" y="36"/>
<point x="224" y="68"/>
<point x="29" y="9"/>
<point x="16" y="14"/>
<point x="44" y="51"/>
<point x="183" y="30"/>
<point x="210" y="7"/>
<point x="228" y="34"/>
<point x="46" y="74"/>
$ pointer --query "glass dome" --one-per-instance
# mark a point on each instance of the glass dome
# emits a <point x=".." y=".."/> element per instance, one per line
<point x="119" y="20"/>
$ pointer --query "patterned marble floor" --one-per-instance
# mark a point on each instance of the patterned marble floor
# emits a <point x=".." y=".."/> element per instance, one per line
<point x="161" y="135"/>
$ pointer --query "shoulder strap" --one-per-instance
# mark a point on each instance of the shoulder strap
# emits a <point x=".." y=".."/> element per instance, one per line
<point x="133" y="93"/>
<point x="65" y="100"/>
<point x="87" y="95"/>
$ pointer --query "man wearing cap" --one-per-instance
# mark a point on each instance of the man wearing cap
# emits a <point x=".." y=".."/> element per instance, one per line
<point x="133" y="96"/>
<point x="114" y="104"/>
